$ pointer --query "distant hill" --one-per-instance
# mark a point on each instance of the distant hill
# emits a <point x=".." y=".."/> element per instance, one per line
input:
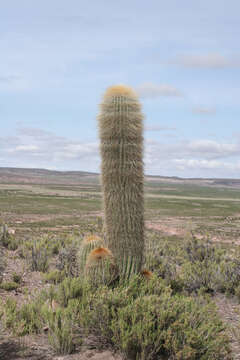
<point x="43" y="176"/>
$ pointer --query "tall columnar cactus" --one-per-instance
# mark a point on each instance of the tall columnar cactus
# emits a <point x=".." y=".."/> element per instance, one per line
<point x="121" y="127"/>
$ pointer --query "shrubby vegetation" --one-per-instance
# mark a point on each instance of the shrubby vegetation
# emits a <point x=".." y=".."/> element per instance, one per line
<point x="141" y="318"/>
<point x="163" y="313"/>
<point x="194" y="264"/>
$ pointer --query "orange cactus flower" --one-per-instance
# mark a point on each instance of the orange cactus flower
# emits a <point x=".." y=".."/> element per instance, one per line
<point x="146" y="274"/>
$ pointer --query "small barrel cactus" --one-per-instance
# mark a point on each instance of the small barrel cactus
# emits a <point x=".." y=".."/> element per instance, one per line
<point x="89" y="243"/>
<point x="100" y="267"/>
<point x="121" y="128"/>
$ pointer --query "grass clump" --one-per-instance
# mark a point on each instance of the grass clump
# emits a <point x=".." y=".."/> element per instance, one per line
<point x="17" y="278"/>
<point x="23" y="320"/>
<point x="54" y="276"/>
<point x="9" y="285"/>
<point x="69" y="288"/>
<point x="7" y="239"/>
<point x="60" y="330"/>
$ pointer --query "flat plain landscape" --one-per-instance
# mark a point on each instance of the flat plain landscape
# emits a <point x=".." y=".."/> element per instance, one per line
<point x="51" y="201"/>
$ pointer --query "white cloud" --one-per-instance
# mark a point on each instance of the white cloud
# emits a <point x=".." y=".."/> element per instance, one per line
<point x="26" y="148"/>
<point x="213" y="148"/>
<point x="183" y="164"/>
<point x="210" y="60"/>
<point x="33" y="147"/>
<point x="150" y="90"/>
<point x="204" y="110"/>
<point x="197" y="158"/>
<point x="39" y="148"/>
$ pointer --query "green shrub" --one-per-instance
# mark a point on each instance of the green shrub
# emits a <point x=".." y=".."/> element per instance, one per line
<point x="9" y="285"/>
<point x="98" y="308"/>
<point x="60" y="330"/>
<point x="17" y="278"/>
<point x="22" y="321"/>
<point x="141" y="318"/>
<point x="8" y="240"/>
<point x="175" y="327"/>
<point x="199" y="275"/>
<point x="199" y="250"/>
<point x="54" y="276"/>
<point x="69" y="288"/>
<point x="38" y="251"/>
<point x="37" y="255"/>
<point x="227" y="276"/>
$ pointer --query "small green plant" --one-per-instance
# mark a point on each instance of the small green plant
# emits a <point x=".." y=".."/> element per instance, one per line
<point x="60" y="333"/>
<point x="17" y="278"/>
<point x="23" y="320"/>
<point x="54" y="276"/>
<point x="37" y="254"/>
<point x="227" y="275"/>
<point x="9" y="285"/>
<point x="69" y="288"/>
<point x="199" y="275"/>
<point x="199" y="250"/>
<point x="7" y="239"/>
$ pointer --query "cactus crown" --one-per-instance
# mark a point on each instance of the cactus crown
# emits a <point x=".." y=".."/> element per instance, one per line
<point x="120" y="90"/>
<point x="99" y="253"/>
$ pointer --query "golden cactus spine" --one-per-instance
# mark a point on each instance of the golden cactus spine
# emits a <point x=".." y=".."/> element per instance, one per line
<point x="121" y="128"/>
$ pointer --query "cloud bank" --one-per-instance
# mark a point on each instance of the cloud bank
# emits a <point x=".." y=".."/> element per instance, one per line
<point x="33" y="147"/>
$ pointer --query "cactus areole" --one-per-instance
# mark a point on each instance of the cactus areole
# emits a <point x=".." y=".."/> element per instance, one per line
<point x="121" y="135"/>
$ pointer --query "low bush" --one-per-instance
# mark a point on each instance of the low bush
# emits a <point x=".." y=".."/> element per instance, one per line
<point x="227" y="275"/>
<point x="17" y="278"/>
<point x="69" y="288"/>
<point x="141" y="318"/>
<point x="2" y="264"/>
<point x="23" y="320"/>
<point x="7" y="239"/>
<point x="54" y="276"/>
<point x="67" y="260"/>
<point x="60" y="330"/>
<point x="152" y="327"/>
<point x="199" y="250"/>
<point x="199" y="275"/>
<point x="144" y="320"/>
<point x="37" y="255"/>
<point x="9" y="285"/>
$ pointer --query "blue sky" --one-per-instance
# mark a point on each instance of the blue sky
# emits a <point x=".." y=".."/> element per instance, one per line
<point x="182" y="57"/>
